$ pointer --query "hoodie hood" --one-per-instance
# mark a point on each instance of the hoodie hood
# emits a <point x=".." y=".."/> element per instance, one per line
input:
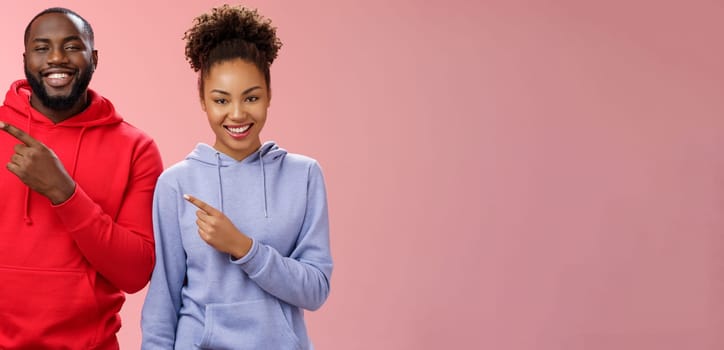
<point x="267" y="153"/>
<point x="99" y="112"/>
<point x="204" y="153"/>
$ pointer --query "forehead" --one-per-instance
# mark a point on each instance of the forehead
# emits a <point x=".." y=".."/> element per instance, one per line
<point x="234" y="73"/>
<point x="56" y="25"/>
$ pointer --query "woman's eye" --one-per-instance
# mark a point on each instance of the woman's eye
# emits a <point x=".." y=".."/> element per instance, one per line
<point x="252" y="98"/>
<point x="221" y="101"/>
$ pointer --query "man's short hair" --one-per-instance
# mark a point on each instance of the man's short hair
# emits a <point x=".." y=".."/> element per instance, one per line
<point x="86" y="26"/>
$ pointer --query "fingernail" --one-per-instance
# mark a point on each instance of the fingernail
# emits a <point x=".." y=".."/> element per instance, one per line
<point x="186" y="197"/>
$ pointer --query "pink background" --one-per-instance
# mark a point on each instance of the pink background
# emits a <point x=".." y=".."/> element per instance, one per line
<point x="501" y="175"/>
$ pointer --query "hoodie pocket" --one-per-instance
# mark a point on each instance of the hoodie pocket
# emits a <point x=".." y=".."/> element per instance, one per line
<point x="47" y="308"/>
<point x="258" y="324"/>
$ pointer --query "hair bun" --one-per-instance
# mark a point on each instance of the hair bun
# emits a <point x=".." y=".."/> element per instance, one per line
<point x="226" y="23"/>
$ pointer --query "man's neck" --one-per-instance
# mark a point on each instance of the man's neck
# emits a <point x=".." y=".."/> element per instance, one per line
<point x="57" y="116"/>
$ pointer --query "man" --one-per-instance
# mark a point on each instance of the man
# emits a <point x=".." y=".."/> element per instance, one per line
<point x="75" y="214"/>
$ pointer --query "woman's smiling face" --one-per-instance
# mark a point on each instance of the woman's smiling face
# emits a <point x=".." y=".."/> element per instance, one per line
<point x="236" y="99"/>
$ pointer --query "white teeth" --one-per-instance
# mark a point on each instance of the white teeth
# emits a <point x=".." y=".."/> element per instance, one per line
<point x="57" y="75"/>
<point x="239" y="130"/>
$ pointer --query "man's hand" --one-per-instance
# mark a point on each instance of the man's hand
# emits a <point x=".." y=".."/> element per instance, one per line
<point x="218" y="231"/>
<point x="38" y="167"/>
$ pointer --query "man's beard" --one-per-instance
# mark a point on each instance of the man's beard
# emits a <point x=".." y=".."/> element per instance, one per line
<point x="60" y="103"/>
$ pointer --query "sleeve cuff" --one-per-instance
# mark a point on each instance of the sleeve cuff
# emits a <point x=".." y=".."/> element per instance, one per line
<point x="76" y="210"/>
<point x="249" y="255"/>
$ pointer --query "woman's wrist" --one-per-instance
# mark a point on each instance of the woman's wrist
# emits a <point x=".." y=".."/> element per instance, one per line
<point x="242" y="247"/>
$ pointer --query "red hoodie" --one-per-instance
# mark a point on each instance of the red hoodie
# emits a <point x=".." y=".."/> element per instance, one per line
<point x="64" y="268"/>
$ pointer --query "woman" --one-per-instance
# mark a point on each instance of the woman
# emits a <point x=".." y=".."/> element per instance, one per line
<point x="241" y="228"/>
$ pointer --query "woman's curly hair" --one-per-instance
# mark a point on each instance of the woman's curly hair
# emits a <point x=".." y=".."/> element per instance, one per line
<point x="228" y="33"/>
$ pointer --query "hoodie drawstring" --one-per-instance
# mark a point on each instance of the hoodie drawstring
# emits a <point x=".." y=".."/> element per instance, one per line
<point x="221" y="191"/>
<point x="26" y="214"/>
<point x="77" y="151"/>
<point x="263" y="179"/>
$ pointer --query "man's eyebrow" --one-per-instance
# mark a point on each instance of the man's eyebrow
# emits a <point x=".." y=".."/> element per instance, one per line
<point x="66" y="39"/>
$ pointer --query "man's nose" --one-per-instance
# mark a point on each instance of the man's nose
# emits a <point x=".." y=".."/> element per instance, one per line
<point x="57" y="56"/>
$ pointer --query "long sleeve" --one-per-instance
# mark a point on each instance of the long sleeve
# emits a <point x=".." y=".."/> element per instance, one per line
<point x="163" y="300"/>
<point x="302" y="279"/>
<point x="122" y="250"/>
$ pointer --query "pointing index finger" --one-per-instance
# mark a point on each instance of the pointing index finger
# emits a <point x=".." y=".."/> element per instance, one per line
<point x="18" y="134"/>
<point x="199" y="203"/>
